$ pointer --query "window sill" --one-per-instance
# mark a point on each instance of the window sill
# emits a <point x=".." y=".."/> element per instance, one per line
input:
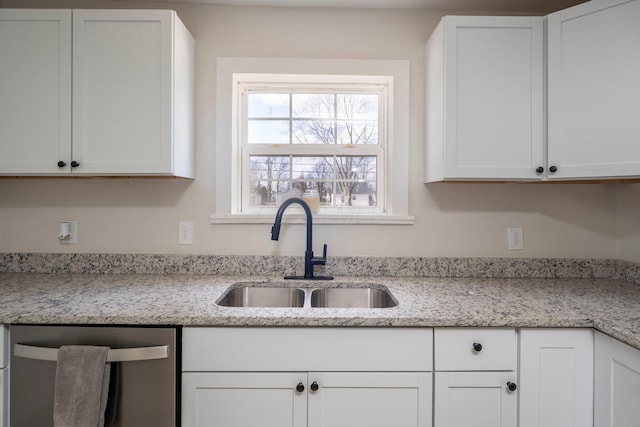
<point x="317" y="219"/>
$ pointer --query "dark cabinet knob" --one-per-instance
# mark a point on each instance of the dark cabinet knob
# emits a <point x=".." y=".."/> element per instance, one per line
<point x="74" y="164"/>
<point x="314" y="386"/>
<point x="300" y="388"/>
<point x="61" y="164"/>
<point x="511" y="386"/>
<point x="539" y="169"/>
<point x="553" y="169"/>
<point x="477" y="346"/>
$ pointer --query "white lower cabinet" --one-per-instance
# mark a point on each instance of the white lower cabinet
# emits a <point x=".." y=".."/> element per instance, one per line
<point x="314" y="399"/>
<point x="299" y="377"/>
<point x="556" y="378"/>
<point x="408" y="377"/>
<point x="4" y="375"/>
<point x="475" y="378"/>
<point x="617" y="383"/>
<point x="474" y="398"/>
<point x="236" y="399"/>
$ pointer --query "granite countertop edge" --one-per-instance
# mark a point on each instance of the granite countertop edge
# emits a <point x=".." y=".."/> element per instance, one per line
<point x="611" y="306"/>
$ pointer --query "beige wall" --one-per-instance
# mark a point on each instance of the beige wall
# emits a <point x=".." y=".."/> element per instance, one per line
<point x="141" y="216"/>
<point x="629" y="222"/>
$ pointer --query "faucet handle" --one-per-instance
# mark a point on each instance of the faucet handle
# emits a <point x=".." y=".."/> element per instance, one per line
<point x="323" y="260"/>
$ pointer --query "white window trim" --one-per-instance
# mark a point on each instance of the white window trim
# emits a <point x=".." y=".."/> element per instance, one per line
<point x="227" y="205"/>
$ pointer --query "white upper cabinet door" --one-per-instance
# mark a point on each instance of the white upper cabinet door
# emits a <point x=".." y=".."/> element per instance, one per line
<point x="556" y="377"/>
<point x="594" y="90"/>
<point x="484" y="99"/>
<point x="35" y="91"/>
<point x="126" y="91"/>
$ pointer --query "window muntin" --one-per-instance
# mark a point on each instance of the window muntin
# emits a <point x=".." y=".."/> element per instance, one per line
<point x="327" y="138"/>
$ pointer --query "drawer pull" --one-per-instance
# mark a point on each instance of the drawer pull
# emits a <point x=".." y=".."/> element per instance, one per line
<point x="477" y="347"/>
<point x="511" y="386"/>
<point x="314" y="386"/>
<point x="300" y="387"/>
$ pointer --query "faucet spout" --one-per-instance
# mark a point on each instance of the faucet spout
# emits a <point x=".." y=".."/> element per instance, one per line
<point x="309" y="259"/>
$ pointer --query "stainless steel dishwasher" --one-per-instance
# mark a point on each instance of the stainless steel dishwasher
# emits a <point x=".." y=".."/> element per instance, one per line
<point x="144" y="373"/>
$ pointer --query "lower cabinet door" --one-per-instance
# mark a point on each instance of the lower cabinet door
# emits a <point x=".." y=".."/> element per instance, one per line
<point x="370" y="399"/>
<point x="556" y="378"/>
<point x="4" y="395"/>
<point x="479" y="399"/>
<point x="617" y="383"/>
<point x="244" y="399"/>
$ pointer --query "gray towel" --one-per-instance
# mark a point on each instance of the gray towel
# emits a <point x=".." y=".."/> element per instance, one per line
<point x="82" y="386"/>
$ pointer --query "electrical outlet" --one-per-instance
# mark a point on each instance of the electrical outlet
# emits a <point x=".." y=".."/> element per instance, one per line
<point x="68" y="232"/>
<point x="516" y="239"/>
<point x="185" y="233"/>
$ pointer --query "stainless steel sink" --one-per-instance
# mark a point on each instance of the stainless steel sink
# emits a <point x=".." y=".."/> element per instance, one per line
<point x="262" y="296"/>
<point x="356" y="297"/>
<point x="304" y="295"/>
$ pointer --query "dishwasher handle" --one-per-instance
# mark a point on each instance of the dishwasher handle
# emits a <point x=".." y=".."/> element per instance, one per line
<point x="114" y="355"/>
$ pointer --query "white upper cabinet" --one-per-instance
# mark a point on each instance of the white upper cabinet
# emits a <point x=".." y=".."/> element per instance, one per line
<point x="485" y="115"/>
<point x="131" y="112"/>
<point x="35" y="90"/>
<point x="594" y="90"/>
<point x="484" y="99"/>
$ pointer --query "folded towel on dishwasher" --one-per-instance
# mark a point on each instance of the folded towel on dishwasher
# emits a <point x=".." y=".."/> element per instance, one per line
<point x="81" y="387"/>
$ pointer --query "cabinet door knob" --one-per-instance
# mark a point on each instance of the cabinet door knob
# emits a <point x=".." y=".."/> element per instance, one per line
<point x="477" y="346"/>
<point x="511" y="386"/>
<point x="553" y="169"/>
<point x="314" y="386"/>
<point x="539" y="169"/>
<point x="300" y="387"/>
<point x="61" y="164"/>
<point x="74" y="164"/>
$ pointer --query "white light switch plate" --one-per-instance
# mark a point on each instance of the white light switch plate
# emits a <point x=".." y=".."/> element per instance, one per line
<point x="185" y="233"/>
<point x="516" y="238"/>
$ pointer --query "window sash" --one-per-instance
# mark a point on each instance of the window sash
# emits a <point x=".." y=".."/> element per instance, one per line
<point x="248" y="150"/>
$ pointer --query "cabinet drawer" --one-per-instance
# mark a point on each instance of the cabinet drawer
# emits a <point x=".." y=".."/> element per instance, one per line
<point x="307" y="349"/>
<point x="475" y="349"/>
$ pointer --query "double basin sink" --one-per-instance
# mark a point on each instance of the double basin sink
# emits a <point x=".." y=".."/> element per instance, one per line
<point x="338" y="296"/>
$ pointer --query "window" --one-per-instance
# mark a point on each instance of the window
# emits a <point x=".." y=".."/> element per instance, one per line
<point x="333" y="132"/>
<point x="322" y="141"/>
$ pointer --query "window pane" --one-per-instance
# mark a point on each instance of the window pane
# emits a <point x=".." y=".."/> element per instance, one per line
<point x="357" y="107"/>
<point x="357" y="132"/>
<point x="313" y="106"/>
<point x="269" y="175"/>
<point x="314" y="132"/>
<point x="268" y="105"/>
<point x="356" y="181"/>
<point x="268" y="132"/>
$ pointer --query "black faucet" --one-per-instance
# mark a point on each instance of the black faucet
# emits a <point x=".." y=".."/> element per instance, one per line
<point x="309" y="260"/>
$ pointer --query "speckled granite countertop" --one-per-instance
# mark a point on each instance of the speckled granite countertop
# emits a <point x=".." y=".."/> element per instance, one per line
<point x="611" y="306"/>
